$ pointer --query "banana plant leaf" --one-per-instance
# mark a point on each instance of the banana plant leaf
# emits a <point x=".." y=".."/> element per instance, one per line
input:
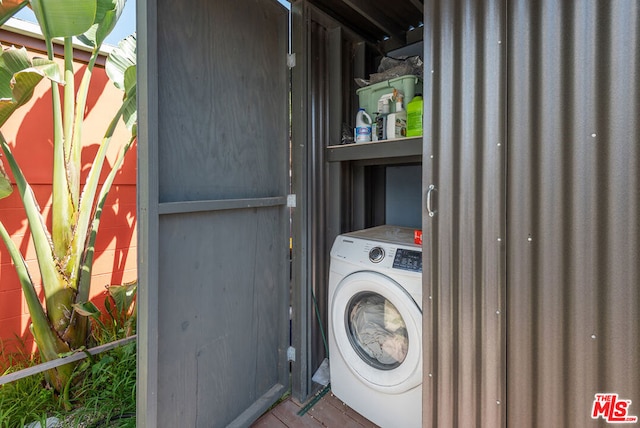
<point x="64" y="18"/>
<point x="121" y="69"/>
<point x="5" y="184"/>
<point x="49" y="343"/>
<point x="120" y="59"/>
<point x="8" y="8"/>
<point x="121" y="65"/>
<point x="107" y="14"/>
<point x="51" y="276"/>
<point x="123" y="296"/>
<point x="19" y="76"/>
<point x="87" y="309"/>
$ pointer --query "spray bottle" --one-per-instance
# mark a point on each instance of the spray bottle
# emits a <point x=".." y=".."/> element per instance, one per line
<point x="384" y="108"/>
<point x="397" y="122"/>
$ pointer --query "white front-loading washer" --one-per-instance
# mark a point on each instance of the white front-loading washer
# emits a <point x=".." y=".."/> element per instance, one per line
<point x="375" y="324"/>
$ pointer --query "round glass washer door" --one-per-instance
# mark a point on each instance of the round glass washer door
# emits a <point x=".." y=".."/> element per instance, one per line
<point x="378" y="331"/>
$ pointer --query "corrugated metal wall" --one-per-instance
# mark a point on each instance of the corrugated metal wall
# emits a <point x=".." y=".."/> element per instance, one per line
<point x="310" y="124"/>
<point x="464" y="157"/>
<point x="573" y="209"/>
<point x="532" y="260"/>
<point x="327" y="56"/>
<point x="310" y="132"/>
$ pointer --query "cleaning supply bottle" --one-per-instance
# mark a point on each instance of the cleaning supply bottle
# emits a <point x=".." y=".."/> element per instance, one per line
<point x="363" y="127"/>
<point x="401" y="118"/>
<point x="381" y="120"/>
<point x="414" y="116"/>
<point x="397" y="121"/>
<point x="374" y="127"/>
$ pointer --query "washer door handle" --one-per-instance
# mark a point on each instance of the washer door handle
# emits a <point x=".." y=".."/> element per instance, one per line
<point x="430" y="210"/>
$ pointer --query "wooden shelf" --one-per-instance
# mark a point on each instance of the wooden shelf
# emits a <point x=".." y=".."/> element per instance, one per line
<point x="387" y="150"/>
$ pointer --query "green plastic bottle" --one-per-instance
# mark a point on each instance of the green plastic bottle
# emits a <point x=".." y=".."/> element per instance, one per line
<point x="414" y="116"/>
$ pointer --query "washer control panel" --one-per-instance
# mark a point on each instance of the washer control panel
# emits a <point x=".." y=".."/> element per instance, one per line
<point x="408" y="260"/>
<point x="380" y="248"/>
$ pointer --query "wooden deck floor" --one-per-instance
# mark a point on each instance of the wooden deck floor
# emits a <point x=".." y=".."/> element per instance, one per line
<point x="328" y="412"/>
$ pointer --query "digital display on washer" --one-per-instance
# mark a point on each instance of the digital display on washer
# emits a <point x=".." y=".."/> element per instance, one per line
<point x="408" y="260"/>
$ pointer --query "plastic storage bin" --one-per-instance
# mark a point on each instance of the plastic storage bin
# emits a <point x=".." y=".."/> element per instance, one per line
<point x="369" y="95"/>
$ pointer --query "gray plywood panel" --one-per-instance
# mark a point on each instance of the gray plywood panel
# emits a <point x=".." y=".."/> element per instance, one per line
<point x="214" y="276"/>
<point x="218" y="312"/>
<point x="217" y="65"/>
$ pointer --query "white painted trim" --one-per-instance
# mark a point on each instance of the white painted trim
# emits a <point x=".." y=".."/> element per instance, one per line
<point x="29" y="29"/>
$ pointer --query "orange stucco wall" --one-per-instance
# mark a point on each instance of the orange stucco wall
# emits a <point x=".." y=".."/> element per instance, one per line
<point x="29" y="133"/>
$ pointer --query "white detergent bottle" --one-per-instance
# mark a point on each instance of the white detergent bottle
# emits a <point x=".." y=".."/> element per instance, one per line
<point x="363" y="127"/>
<point x="397" y="121"/>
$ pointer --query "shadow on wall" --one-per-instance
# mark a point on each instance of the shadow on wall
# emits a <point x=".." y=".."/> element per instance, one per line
<point x="33" y="149"/>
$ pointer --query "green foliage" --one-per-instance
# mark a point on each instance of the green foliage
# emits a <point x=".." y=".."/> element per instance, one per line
<point x="65" y="253"/>
<point x="64" y="18"/>
<point x="25" y="401"/>
<point x="122" y="309"/>
<point x="121" y="69"/>
<point x="105" y="394"/>
<point x="5" y="184"/>
<point x="121" y="315"/>
<point x="19" y="75"/>
<point x="107" y="14"/>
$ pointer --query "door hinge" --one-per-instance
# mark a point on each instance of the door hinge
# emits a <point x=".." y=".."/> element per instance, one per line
<point x="291" y="201"/>
<point x="291" y="60"/>
<point x="291" y="353"/>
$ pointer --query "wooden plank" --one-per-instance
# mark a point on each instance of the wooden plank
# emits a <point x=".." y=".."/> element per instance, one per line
<point x="348" y="411"/>
<point x="330" y="415"/>
<point x="217" y="205"/>
<point x="287" y="412"/>
<point x="258" y="407"/>
<point x="269" y="421"/>
<point x="330" y="411"/>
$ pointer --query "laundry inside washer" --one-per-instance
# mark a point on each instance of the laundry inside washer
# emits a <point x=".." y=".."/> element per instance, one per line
<point x="378" y="330"/>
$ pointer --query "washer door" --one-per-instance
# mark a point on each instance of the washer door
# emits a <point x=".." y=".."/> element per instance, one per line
<point x="378" y="331"/>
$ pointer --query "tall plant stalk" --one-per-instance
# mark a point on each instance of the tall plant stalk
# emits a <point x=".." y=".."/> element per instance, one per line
<point x="65" y="254"/>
